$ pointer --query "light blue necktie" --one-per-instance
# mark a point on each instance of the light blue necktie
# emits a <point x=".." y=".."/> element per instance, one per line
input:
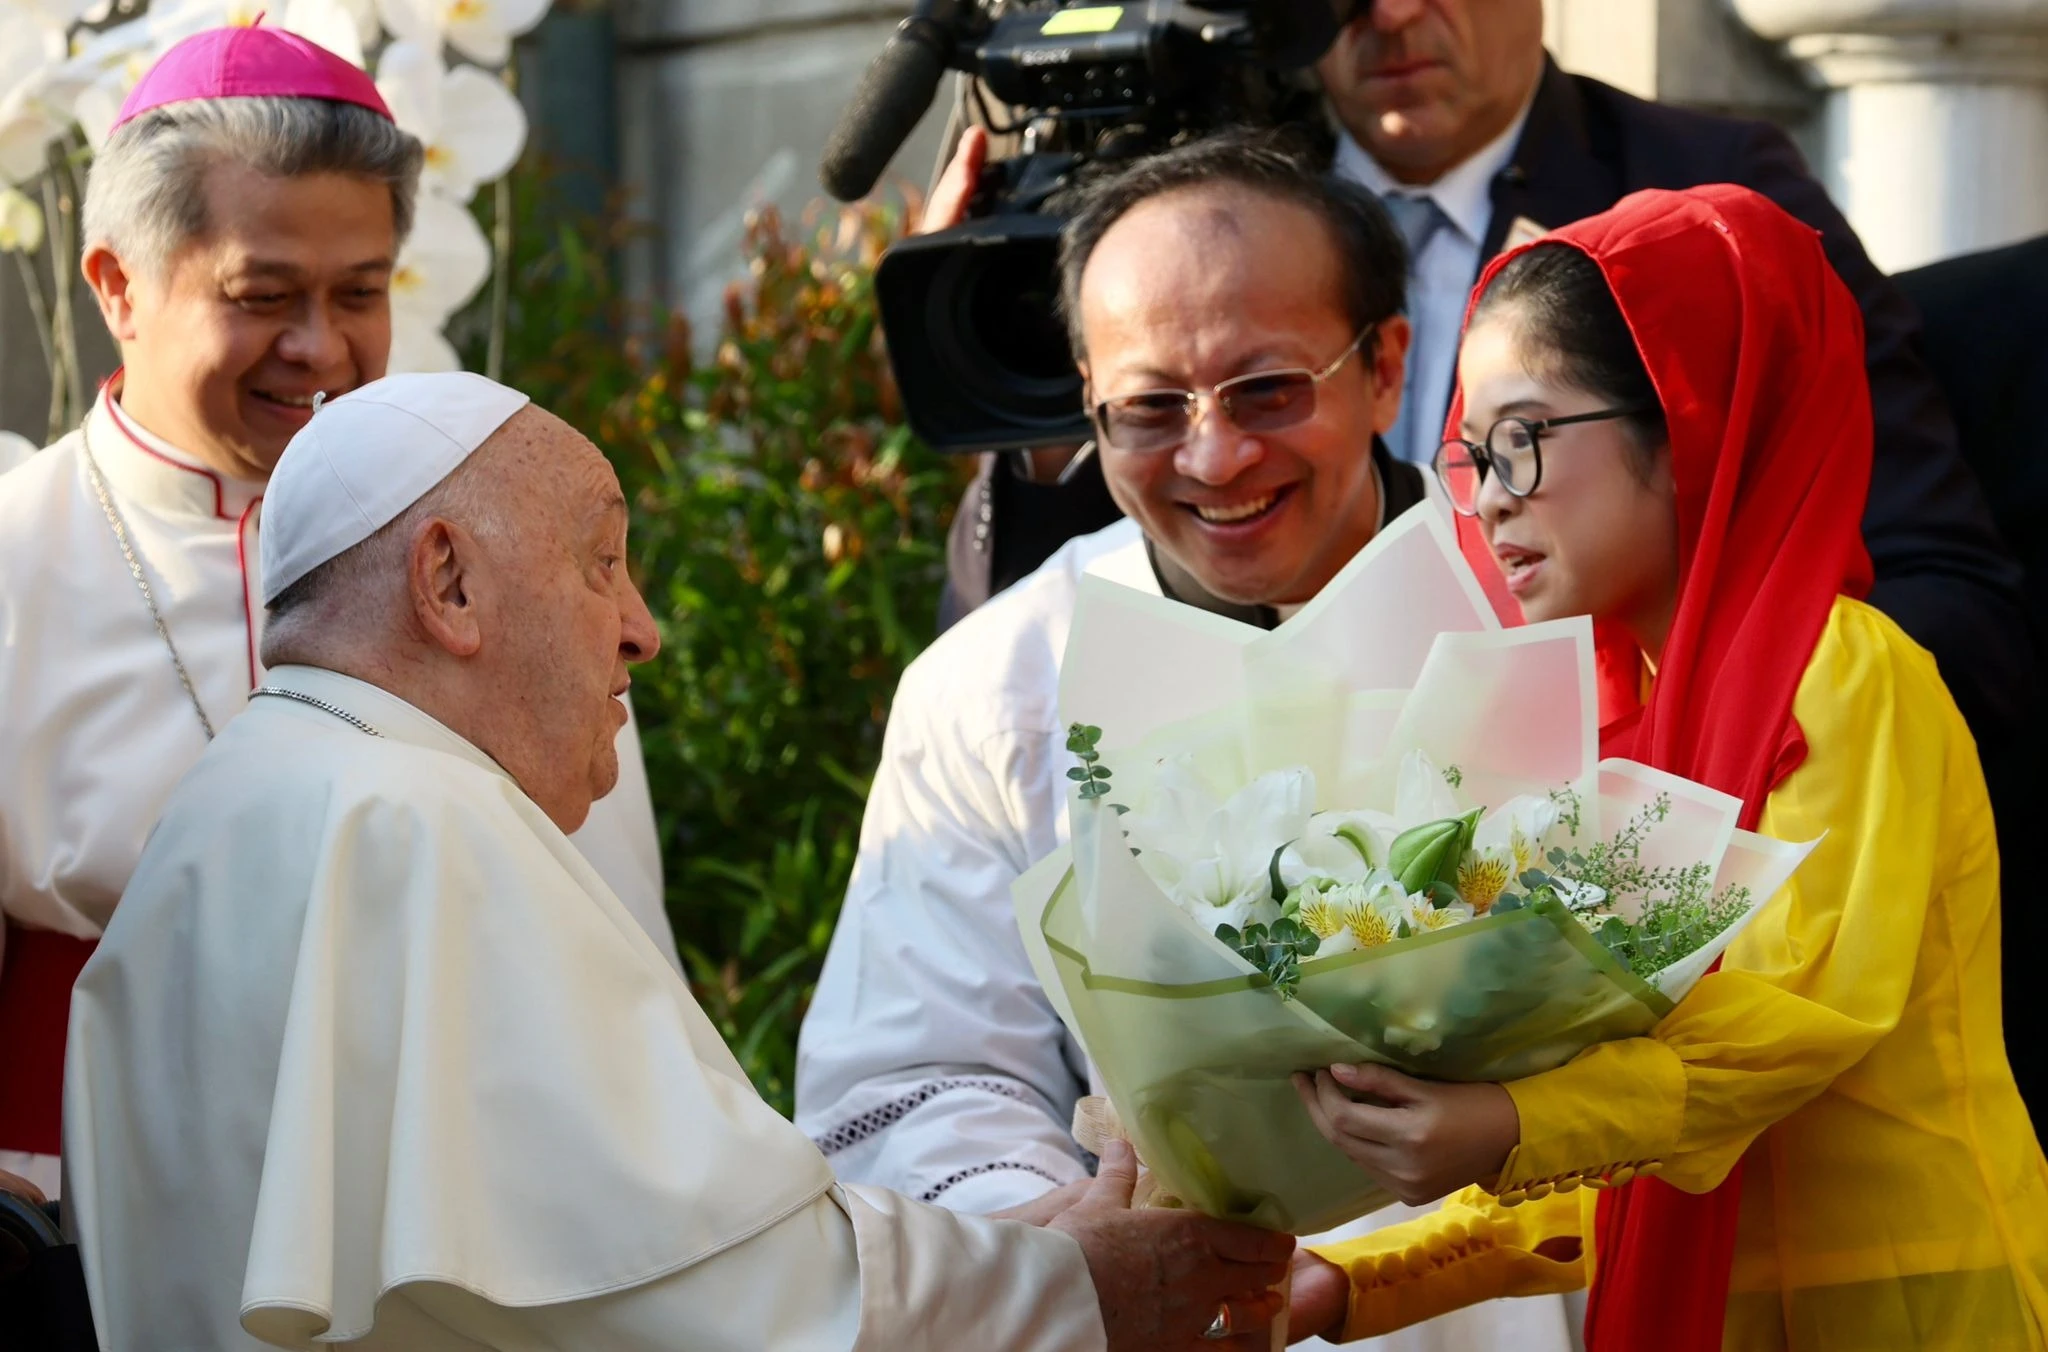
<point x="1418" y="219"/>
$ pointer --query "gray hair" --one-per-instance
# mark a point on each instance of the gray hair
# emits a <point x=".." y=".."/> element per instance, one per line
<point x="145" y="193"/>
<point x="345" y="597"/>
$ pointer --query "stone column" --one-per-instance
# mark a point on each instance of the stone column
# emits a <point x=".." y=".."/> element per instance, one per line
<point x="1936" y="125"/>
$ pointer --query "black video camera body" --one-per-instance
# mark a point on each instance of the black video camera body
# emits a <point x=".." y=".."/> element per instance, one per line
<point x="971" y="314"/>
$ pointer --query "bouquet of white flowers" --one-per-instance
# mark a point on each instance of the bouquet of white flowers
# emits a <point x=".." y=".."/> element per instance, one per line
<point x="1481" y="899"/>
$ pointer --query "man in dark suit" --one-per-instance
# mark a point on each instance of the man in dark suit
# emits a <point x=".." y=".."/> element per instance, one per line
<point x="1984" y="324"/>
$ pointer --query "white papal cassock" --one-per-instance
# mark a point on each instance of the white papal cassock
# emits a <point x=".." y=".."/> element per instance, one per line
<point x="95" y="726"/>
<point x="371" y="1052"/>
<point x="931" y="1061"/>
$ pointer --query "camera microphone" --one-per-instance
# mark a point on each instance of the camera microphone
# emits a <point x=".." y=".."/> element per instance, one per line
<point x="893" y="96"/>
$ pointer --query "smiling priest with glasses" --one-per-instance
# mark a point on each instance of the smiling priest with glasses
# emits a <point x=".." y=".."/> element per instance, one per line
<point x="1238" y="322"/>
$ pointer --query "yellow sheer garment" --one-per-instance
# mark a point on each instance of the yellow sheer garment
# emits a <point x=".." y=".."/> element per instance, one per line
<point x="1849" y="1049"/>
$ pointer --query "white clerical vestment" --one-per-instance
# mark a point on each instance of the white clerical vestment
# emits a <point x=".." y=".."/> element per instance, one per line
<point x="371" y="1054"/>
<point x="931" y="1061"/>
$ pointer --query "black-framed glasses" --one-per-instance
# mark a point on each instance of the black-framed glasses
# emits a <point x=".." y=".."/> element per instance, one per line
<point x="1512" y="453"/>
<point x="1148" y="421"/>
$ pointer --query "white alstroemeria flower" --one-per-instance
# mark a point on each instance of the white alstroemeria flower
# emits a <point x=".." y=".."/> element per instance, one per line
<point x="481" y="30"/>
<point x="1425" y="915"/>
<point x="445" y="261"/>
<point x="1508" y="842"/>
<point x="1350" y="916"/>
<point x="1214" y="858"/>
<point x="57" y="17"/>
<point x="21" y="222"/>
<point x="472" y="126"/>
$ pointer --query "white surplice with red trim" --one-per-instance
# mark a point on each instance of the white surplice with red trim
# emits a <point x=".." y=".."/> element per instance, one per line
<point x="96" y="727"/>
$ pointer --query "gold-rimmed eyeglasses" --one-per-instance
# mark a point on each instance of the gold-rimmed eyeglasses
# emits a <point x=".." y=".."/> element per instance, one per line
<point x="1148" y="421"/>
<point x="1512" y="452"/>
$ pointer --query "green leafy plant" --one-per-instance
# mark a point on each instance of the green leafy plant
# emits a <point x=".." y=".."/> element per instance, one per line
<point x="1276" y="950"/>
<point x="788" y="533"/>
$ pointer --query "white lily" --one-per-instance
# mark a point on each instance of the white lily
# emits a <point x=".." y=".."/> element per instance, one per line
<point x="21" y="222"/>
<point x="470" y="123"/>
<point x="481" y="30"/>
<point x="1214" y="857"/>
<point x="445" y="261"/>
<point x="1337" y="847"/>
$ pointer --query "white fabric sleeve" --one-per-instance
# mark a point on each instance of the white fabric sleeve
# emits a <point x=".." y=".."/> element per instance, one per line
<point x="931" y="1062"/>
<point x="856" y="1271"/>
<point x="621" y="843"/>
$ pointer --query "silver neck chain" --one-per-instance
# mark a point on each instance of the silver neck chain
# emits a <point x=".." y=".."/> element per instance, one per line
<point x="120" y="529"/>
<point x="322" y="705"/>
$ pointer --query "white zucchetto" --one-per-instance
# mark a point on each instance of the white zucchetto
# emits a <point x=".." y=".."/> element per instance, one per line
<point x="365" y="458"/>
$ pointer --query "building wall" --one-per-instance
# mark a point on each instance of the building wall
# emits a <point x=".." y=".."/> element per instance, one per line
<point x="726" y="104"/>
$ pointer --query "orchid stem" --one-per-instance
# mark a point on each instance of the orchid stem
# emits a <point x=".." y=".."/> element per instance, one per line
<point x="60" y="201"/>
<point x="39" y="309"/>
<point x="501" y="255"/>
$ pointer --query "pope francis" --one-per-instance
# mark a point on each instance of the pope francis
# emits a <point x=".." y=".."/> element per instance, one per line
<point x="371" y="1055"/>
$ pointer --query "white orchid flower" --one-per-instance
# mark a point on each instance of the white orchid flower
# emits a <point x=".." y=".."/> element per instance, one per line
<point x="444" y="263"/>
<point x="21" y="222"/>
<point x="1214" y="857"/>
<point x="31" y="51"/>
<point x="107" y="65"/>
<point x="470" y="123"/>
<point x="481" y="30"/>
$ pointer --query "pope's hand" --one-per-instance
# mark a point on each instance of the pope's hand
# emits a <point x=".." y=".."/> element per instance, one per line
<point x="1047" y="1207"/>
<point x="1163" y="1276"/>
<point x="1419" y="1139"/>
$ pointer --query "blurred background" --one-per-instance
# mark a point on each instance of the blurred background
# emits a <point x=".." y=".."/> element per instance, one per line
<point x="658" y="267"/>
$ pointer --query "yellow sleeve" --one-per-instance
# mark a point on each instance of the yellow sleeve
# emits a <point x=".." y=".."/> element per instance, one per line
<point x="1470" y="1250"/>
<point x="1824" y="970"/>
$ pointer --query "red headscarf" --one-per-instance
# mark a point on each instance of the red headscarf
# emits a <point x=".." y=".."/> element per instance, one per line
<point x="1756" y="350"/>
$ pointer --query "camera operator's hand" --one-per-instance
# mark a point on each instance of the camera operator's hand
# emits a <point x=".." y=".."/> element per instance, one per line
<point x="21" y="1187"/>
<point x="948" y="204"/>
<point x="1162" y="1276"/>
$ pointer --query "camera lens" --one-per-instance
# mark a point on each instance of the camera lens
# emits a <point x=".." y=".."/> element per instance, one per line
<point x="996" y="326"/>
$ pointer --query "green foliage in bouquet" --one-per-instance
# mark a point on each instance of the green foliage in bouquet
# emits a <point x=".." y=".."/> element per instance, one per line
<point x="788" y="533"/>
<point x="1277" y="950"/>
<point x="1680" y="912"/>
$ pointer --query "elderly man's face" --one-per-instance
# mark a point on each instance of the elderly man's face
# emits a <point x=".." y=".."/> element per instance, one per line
<point x="285" y="296"/>
<point x="569" y="620"/>
<point x="1424" y="84"/>
<point x="1201" y="285"/>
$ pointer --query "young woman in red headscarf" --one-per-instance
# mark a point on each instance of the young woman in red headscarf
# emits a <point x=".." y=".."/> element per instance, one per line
<point x="1663" y="423"/>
